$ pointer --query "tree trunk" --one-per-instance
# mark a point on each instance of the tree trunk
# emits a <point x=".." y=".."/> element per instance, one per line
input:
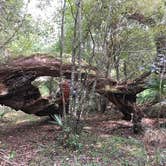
<point x="160" y="61"/>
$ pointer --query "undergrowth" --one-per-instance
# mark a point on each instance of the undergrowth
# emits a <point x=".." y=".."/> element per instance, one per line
<point x="113" y="151"/>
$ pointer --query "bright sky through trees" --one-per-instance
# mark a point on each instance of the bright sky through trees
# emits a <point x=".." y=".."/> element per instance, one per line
<point x="44" y="10"/>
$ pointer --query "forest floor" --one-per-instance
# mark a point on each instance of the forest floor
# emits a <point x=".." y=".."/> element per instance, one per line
<point x="27" y="140"/>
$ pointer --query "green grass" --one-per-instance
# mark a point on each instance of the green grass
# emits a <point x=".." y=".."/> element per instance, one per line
<point x="96" y="151"/>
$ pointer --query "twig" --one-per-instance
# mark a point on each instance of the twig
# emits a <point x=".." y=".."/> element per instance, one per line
<point x="6" y="160"/>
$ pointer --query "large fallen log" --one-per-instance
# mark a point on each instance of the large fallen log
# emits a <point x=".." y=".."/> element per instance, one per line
<point x="18" y="92"/>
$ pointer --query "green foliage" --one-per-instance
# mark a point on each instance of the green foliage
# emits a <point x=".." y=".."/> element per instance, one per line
<point x="57" y="120"/>
<point x="104" y="26"/>
<point x="2" y="113"/>
<point x="25" y="44"/>
<point x="156" y="90"/>
<point x="73" y="142"/>
<point x="68" y="138"/>
<point x="46" y="85"/>
<point x="106" y="21"/>
<point x="10" y="16"/>
<point x="147" y="95"/>
<point x="12" y="155"/>
<point x="158" y="85"/>
<point x="119" y="150"/>
<point x="44" y="90"/>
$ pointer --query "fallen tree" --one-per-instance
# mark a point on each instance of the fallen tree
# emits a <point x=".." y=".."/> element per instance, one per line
<point x="18" y="92"/>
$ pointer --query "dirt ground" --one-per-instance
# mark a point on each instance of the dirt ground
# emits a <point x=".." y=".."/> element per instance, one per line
<point x="30" y="140"/>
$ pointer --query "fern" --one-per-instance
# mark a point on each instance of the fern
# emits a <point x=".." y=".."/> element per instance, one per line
<point x="57" y="120"/>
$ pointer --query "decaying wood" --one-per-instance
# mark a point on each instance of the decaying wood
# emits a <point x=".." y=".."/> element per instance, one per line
<point x="17" y="91"/>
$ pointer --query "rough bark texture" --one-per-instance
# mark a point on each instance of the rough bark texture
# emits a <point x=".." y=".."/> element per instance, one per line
<point x="17" y="91"/>
<point x="160" y="61"/>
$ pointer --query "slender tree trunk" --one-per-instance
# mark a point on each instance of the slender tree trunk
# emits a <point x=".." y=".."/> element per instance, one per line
<point x="125" y="71"/>
<point x="61" y="52"/>
<point x="117" y="69"/>
<point x="160" y="65"/>
<point x="79" y="89"/>
<point x="160" y="61"/>
<point x="62" y="36"/>
<point x="74" y="49"/>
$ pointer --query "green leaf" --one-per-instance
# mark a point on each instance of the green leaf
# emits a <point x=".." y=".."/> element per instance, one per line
<point x="58" y="120"/>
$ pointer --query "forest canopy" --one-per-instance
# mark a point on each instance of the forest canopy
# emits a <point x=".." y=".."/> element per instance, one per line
<point x="114" y="33"/>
